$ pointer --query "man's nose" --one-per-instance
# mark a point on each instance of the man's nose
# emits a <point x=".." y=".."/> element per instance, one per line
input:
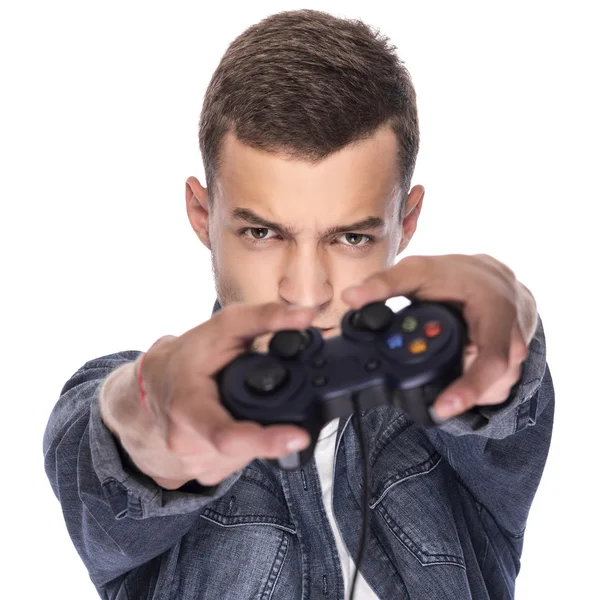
<point x="306" y="280"/>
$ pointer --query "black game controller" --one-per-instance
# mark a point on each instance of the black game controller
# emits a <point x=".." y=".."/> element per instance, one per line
<point x="402" y="359"/>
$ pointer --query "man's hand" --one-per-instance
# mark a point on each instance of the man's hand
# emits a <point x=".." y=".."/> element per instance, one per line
<point x="500" y="312"/>
<point x="186" y="433"/>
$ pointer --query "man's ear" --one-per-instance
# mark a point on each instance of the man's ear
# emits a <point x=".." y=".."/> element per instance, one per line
<point x="196" y="204"/>
<point x="414" y="203"/>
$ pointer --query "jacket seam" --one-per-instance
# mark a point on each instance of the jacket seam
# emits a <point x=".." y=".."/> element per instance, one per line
<point x="514" y="536"/>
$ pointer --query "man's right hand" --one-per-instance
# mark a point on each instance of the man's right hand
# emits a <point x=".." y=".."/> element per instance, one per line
<point x="187" y="434"/>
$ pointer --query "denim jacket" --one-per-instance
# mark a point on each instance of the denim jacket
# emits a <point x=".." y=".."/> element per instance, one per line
<point x="448" y="506"/>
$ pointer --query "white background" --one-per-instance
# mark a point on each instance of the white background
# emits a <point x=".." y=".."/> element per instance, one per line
<point x="99" y="109"/>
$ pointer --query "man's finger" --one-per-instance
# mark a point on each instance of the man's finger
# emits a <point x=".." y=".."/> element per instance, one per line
<point x="251" y="440"/>
<point x="417" y="277"/>
<point x="230" y="331"/>
<point x="240" y="323"/>
<point x="468" y="390"/>
<point x="406" y="278"/>
<point x="492" y="334"/>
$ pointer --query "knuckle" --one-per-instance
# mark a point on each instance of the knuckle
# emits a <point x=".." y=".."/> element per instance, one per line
<point x="225" y="441"/>
<point x="179" y="443"/>
<point x="496" y="264"/>
<point x="498" y="364"/>
<point x="221" y="443"/>
<point x="271" y="449"/>
<point x="485" y="258"/>
<point x="471" y="400"/>
<point x="505" y="269"/>
<point x="520" y="350"/>
<point x="176" y="444"/>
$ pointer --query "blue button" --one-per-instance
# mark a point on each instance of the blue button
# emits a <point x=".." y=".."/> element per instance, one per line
<point x="395" y="341"/>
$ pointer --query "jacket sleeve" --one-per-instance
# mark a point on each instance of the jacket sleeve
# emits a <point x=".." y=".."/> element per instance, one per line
<point x="499" y="452"/>
<point x="117" y="517"/>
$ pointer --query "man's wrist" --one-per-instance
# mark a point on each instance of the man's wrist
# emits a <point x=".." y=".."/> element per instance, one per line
<point x="118" y="399"/>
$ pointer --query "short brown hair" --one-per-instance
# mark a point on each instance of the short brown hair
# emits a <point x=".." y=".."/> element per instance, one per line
<point x="305" y="84"/>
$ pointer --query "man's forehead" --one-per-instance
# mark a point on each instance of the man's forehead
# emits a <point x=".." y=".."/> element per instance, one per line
<point x="366" y="168"/>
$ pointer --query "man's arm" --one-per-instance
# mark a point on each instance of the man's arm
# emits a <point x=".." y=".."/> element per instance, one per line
<point x="117" y="517"/>
<point x="121" y="513"/>
<point x="501" y="463"/>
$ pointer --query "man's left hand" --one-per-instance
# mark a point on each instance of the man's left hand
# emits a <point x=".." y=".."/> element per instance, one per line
<point x="500" y="312"/>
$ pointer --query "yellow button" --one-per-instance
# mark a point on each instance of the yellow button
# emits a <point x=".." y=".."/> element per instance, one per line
<point x="417" y="346"/>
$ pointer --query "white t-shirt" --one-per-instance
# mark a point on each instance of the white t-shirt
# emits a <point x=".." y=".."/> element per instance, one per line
<point x="324" y="455"/>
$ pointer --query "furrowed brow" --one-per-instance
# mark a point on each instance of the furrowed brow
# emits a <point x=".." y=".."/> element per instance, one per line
<point x="249" y="216"/>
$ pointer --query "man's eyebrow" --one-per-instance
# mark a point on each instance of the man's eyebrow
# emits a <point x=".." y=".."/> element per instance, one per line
<point x="249" y="216"/>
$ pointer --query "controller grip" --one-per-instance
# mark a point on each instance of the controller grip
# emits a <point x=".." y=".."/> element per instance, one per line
<point x="417" y="401"/>
<point x="297" y="460"/>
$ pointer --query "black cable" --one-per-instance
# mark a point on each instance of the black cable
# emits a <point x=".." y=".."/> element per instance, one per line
<point x="365" y="506"/>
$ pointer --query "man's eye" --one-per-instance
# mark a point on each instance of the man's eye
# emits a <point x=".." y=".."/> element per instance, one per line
<point x="257" y="233"/>
<point x="354" y="239"/>
<point x="357" y="241"/>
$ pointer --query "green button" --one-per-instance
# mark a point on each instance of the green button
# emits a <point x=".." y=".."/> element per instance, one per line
<point x="409" y="324"/>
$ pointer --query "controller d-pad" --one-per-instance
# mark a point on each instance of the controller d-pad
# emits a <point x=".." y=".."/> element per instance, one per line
<point x="288" y="343"/>
<point x="266" y="377"/>
<point x="373" y="317"/>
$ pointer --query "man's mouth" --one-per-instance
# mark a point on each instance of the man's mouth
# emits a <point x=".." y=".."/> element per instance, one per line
<point x="326" y="330"/>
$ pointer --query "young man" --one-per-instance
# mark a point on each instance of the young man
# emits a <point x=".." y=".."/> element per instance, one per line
<point x="309" y="137"/>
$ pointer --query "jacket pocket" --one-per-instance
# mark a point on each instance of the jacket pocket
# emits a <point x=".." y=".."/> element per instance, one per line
<point x="255" y="499"/>
<point x="241" y="544"/>
<point x="410" y="493"/>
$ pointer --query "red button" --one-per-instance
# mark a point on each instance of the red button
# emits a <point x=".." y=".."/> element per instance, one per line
<point x="433" y="329"/>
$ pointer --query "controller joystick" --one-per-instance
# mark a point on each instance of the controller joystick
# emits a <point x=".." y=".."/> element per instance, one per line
<point x="372" y="317"/>
<point x="288" y="343"/>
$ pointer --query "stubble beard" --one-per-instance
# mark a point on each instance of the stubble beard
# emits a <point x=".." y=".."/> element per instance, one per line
<point x="227" y="294"/>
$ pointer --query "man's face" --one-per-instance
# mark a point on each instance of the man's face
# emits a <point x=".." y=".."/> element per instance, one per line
<point x="288" y="231"/>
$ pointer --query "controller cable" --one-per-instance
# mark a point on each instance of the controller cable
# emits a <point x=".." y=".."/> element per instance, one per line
<point x="365" y="505"/>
